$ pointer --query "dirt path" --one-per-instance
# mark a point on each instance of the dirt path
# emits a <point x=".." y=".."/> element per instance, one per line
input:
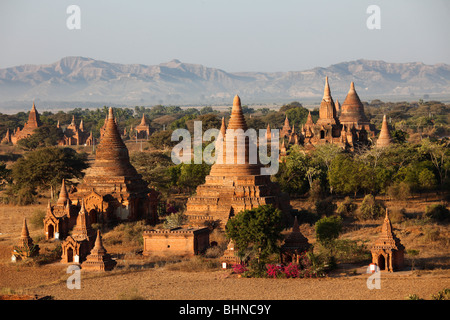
<point x="160" y="284"/>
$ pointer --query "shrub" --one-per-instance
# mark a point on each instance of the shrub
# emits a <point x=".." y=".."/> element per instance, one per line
<point x="399" y="191"/>
<point x="37" y="218"/>
<point x="239" y="268"/>
<point x="275" y="271"/>
<point x="328" y="229"/>
<point x="346" y="208"/>
<point x="308" y="267"/>
<point x="175" y="220"/>
<point x="397" y="215"/>
<point x="438" y="213"/>
<point x="413" y="297"/>
<point x="441" y="295"/>
<point x="325" y="206"/>
<point x="370" y="208"/>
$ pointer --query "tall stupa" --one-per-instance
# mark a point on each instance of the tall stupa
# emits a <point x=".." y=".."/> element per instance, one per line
<point x="236" y="185"/>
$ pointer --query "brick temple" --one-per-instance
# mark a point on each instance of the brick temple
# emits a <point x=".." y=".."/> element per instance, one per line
<point x="33" y="123"/>
<point x="112" y="188"/>
<point x="61" y="217"/>
<point x="346" y="126"/>
<point x="233" y="187"/>
<point x="387" y="251"/>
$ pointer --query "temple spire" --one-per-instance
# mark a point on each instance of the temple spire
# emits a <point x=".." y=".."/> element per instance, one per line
<point x="237" y="120"/>
<point x="384" y="138"/>
<point x="25" y="232"/>
<point x="63" y="195"/>
<point x="326" y="91"/>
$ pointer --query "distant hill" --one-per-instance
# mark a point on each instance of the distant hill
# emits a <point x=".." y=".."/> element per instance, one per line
<point x="79" y="79"/>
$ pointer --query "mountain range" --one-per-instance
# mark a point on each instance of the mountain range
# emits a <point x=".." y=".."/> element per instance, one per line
<point x="80" y="79"/>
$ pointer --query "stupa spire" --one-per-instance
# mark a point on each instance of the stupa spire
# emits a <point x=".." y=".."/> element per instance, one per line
<point x="63" y="195"/>
<point x="326" y="91"/>
<point x="352" y="110"/>
<point x="237" y="120"/>
<point x="384" y="139"/>
<point x="25" y="232"/>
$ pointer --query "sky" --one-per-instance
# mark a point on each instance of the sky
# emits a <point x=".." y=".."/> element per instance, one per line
<point x="232" y="35"/>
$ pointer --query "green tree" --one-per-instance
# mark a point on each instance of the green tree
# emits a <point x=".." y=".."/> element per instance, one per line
<point x="344" y="175"/>
<point x="44" y="136"/>
<point x="192" y="175"/>
<point x="153" y="166"/>
<point x="293" y="172"/>
<point x="47" y="167"/>
<point x="162" y="139"/>
<point x="439" y="155"/>
<point x="257" y="230"/>
<point x="328" y="229"/>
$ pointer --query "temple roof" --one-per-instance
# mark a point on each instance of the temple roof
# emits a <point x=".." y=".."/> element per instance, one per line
<point x="384" y="138"/>
<point x="387" y="238"/>
<point x="327" y="111"/>
<point x="33" y="119"/>
<point x="112" y="157"/>
<point x="63" y="195"/>
<point x="237" y="119"/>
<point x="25" y="233"/>
<point x="235" y="167"/>
<point x="352" y="110"/>
<point x="296" y="240"/>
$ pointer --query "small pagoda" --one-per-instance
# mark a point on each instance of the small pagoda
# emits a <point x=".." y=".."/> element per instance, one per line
<point x="78" y="245"/>
<point x="143" y="129"/>
<point x="387" y="251"/>
<point x="294" y="245"/>
<point x="25" y="248"/>
<point x="61" y="217"/>
<point x="384" y="139"/>
<point x="98" y="259"/>
<point x="33" y="123"/>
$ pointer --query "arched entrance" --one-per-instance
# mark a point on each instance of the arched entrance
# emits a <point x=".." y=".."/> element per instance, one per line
<point x="93" y="216"/>
<point x="69" y="255"/>
<point x="381" y="262"/>
<point x="50" y="231"/>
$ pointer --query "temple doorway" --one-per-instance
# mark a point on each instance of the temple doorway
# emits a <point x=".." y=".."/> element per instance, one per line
<point x="50" y="232"/>
<point x="69" y="255"/>
<point x="381" y="262"/>
<point x="93" y="216"/>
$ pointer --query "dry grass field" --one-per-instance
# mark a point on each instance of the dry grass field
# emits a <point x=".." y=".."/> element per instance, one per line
<point x="159" y="278"/>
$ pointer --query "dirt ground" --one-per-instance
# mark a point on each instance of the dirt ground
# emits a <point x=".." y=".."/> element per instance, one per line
<point x="162" y="284"/>
<point x="141" y="280"/>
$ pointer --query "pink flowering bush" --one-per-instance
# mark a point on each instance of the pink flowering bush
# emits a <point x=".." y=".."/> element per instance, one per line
<point x="274" y="270"/>
<point x="239" y="268"/>
<point x="305" y="269"/>
<point x="291" y="270"/>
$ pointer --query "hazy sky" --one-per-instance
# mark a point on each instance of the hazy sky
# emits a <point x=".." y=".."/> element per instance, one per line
<point x="233" y="35"/>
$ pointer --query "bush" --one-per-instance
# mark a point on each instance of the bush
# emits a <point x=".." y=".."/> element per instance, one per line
<point x="438" y="213"/>
<point x="442" y="295"/>
<point x="328" y="229"/>
<point x="175" y="220"/>
<point x="397" y="215"/>
<point x="37" y="218"/>
<point x="399" y="191"/>
<point x="307" y="268"/>
<point x="325" y="206"/>
<point x="346" y="208"/>
<point x="370" y="208"/>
